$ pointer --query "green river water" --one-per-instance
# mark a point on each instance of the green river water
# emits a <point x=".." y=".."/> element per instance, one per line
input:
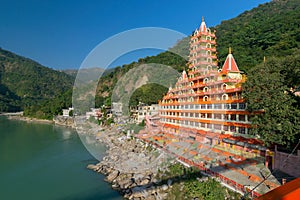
<point x="42" y="161"/>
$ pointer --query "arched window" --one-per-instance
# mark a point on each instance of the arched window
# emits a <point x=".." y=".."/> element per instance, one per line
<point x="209" y="60"/>
<point x="205" y="98"/>
<point x="205" y="89"/>
<point x="208" y="52"/>
<point x="208" y="45"/>
<point x="224" y="86"/>
<point x="208" y="38"/>
<point x="205" y="80"/>
<point x="225" y="97"/>
<point x="209" y="67"/>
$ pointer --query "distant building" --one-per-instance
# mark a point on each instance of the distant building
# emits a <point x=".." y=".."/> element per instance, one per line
<point x="66" y="112"/>
<point x="117" y="109"/>
<point x="95" y="112"/>
<point x="144" y="110"/>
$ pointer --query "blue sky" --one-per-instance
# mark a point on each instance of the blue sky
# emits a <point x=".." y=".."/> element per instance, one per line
<point x="60" y="34"/>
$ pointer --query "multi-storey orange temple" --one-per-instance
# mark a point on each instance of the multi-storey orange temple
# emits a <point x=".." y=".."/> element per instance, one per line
<point x="204" y="121"/>
<point x="206" y="102"/>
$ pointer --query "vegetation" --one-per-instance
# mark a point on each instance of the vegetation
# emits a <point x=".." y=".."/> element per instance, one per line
<point x="271" y="29"/>
<point x="149" y="94"/>
<point x="268" y="90"/>
<point x="188" y="183"/>
<point x="108" y="82"/>
<point x="47" y="108"/>
<point x="27" y="85"/>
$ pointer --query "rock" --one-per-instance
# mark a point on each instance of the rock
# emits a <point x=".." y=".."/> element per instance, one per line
<point x="144" y="182"/>
<point x="125" y="183"/>
<point x="164" y="187"/>
<point x="92" y="167"/>
<point x="113" y="175"/>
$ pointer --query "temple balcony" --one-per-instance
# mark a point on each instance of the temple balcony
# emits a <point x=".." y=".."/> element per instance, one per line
<point x="209" y="101"/>
<point x="204" y="41"/>
<point x="202" y="55"/>
<point x="213" y="35"/>
<point x="199" y="48"/>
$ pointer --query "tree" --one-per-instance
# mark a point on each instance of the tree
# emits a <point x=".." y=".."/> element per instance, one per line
<point x="275" y="112"/>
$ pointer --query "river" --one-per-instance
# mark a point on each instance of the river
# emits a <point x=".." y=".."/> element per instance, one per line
<point x="43" y="161"/>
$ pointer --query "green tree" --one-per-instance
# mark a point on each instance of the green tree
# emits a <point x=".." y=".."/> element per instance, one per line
<point x="275" y="112"/>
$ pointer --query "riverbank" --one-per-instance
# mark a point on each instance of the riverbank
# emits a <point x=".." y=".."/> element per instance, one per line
<point x="29" y="119"/>
<point x="57" y="120"/>
<point x="140" y="171"/>
<point x="130" y="165"/>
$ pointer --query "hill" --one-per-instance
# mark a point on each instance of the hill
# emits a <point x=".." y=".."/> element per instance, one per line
<point x="271" y="29"/>
<point x="25" y="83"/>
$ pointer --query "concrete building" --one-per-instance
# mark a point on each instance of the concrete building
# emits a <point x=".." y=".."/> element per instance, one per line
<point x="66" y="112"/>
<point x="144" y="110"/>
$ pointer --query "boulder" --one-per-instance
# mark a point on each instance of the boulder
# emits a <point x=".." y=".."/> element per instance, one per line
<point x="92" y="167"/>
<point x="164" y="187"/>
<point x="113" y="175"/>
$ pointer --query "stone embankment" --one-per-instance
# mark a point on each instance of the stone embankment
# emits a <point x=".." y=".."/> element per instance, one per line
<point x="131" y="166"/>
<point x="64" y="121"/>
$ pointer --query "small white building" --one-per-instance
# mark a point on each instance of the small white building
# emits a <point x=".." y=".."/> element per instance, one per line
<point x="66" y="112"/>
<point x="95" y="112"/>
<point x="144" y="110"/>
<point x="117" y="109"/>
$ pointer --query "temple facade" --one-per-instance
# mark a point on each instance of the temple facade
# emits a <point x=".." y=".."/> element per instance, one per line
<point x="206" y="102"/>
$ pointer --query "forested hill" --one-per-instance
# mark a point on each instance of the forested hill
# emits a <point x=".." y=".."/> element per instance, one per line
<point x="25" y="83"/>
<point x="271" y="29"/>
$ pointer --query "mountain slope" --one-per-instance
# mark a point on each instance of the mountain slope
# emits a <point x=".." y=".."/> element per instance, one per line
<point x="271" y="29"/>
<point x="24" y="82"/>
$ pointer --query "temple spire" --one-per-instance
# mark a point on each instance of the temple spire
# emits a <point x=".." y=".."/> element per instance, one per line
<point x="203" y="26"/>
<point x="230" y="64"/>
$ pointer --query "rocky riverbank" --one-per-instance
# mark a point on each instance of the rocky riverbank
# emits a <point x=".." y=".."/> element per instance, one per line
<point x="64" y="121"/>
<point x="132" y="167"/>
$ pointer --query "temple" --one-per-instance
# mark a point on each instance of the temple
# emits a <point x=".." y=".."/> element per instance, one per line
<point x="203" y="121"/>
<point x="206" y="102"/>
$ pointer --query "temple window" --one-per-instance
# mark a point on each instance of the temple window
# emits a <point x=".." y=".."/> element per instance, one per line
<point x="225" y="97"/>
